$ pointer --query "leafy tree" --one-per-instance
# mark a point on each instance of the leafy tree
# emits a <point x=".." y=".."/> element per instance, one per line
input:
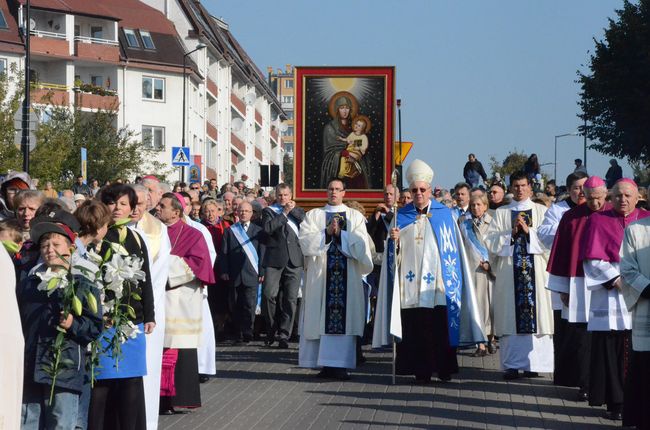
<point x="11" y="96"/>
<point x="513" y="162"/>
<point x="111" y="152"/>
<point x="615" y="93"/>
<point x="287" y="168"/>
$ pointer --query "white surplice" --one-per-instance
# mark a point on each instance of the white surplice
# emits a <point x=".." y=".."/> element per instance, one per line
<point x="316" y="347"/>
<point x="607" y="309"/>
<point x="546" y="234"/>
<point x="207" y="348"/>
<point x="159" y="247"/>
<point x="530" y="351"/>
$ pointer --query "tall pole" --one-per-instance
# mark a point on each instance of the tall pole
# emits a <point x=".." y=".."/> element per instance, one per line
<point x="555" y="162"/>
<point x="584" y="134"/>
<point x="399" y="134"/>
<point x="24" y="142"/>
<point x="184" y="113"/>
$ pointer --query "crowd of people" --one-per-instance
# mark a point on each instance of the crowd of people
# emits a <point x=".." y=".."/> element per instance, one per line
<point x="122" y="291"/>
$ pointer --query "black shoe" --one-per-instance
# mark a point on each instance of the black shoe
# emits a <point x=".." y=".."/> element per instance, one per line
<point x="492" y="347"/>
<point x="247" y="338"/>
<point x="203" y="379"/>
<point x="528" y="374"/>
<point x="339" y="373"/>
<point x="510" y="374"/>
<point x="422" y="380"/>
<point x="270" y="340"/>
<point x="283" y="344"/>
<point x="444" y="377"/>
<point x="361" y="359"/>
<point x="169" y="411"/>
<point x="324" y="373"/>
<point x="582" y="396"/>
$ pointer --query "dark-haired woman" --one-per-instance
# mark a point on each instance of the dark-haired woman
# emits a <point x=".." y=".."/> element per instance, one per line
<point x="118" y="395"/>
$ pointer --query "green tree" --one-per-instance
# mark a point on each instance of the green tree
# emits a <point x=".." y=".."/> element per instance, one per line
<point x="111" y="153"/>
<point x="287" y="168"/>
<point x="615" y="93"/>
<point x="513" y="162"/>
<point x="11" y="96"/>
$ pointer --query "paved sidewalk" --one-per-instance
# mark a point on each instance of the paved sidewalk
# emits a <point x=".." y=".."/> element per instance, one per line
<point x="262" y="388"/>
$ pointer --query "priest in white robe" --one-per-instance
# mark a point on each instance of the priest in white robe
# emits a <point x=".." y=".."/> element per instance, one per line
<point x="336" y="247"/>
<point x="610" y="321"/>
<point x="635" y="271"/>
<point x="523" y="316"/>
<point x="159" y="247"/>
<point x="427" y="304"/>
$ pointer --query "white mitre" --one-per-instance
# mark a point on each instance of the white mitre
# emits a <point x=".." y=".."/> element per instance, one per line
<point x="419" y="171"/>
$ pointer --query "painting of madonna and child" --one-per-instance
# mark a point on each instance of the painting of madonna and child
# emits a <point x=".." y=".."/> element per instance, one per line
<point x="344" y="129"/>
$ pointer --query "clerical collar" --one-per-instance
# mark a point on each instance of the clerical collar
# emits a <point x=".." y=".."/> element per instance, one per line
<point x="424" y="210"/>
<point x="338" y="208"/>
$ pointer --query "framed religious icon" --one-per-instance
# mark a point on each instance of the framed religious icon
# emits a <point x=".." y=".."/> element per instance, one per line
<point x="344" y="129"/>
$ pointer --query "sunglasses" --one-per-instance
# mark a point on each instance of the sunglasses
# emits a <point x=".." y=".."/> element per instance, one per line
<point x="415" y="190"/>
<point x="194" y="188"/>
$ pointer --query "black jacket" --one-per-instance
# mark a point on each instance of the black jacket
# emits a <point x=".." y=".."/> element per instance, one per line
<point x="281" y="242"/>
<point x="233" y="259"/>
<point x="378" y="231"/>
<point x="39" y="314"/>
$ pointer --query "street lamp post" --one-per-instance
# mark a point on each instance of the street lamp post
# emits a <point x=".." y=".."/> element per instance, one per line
<point x="575" y="133"/>
<point x="198" y="47"/>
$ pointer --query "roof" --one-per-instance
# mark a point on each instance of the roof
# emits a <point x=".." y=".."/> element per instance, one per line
<point x="96" y="8"/>
<point x="10" y="35"/>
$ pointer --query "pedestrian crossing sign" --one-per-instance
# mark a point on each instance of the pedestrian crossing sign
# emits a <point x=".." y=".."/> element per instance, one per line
<point x="180" y="156"/>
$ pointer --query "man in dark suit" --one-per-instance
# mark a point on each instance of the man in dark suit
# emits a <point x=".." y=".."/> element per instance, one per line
<point x="282" y="264"/>
<point x="242" y="253"/>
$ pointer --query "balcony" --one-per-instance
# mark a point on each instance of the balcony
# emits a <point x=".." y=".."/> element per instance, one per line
<point x="97" y="101"/>
<point x="258" y="117"/>
<point x="274" y="134"/>
<point x="212" y="87"/>
<point x="49" y="94"/>
<point x="238" y="104"/>
<point x="96" y="49"/>
<point x="234" y="159"/>
<point x="238" y="144"/>
<point x="211" y="130"/>
<point x="258" y="153"/>
<point x="49" y="43"/>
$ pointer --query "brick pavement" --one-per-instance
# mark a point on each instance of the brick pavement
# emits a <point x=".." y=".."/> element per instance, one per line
<point x="262" y="388"/>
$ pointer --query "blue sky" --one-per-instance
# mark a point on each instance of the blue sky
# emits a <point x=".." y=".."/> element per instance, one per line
<point x="474" y="76"/>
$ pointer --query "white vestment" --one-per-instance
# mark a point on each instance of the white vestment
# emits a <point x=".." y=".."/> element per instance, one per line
<point x="159" y="247"/>
<point x="607" y="309"/>
<point x="11" y="336"/>
<point x="546" y="234"/>
<point x="530" y="351"/>
<point x="316" y="347"/>
<point x="635" y="270"/>
<point x="207" y="348"/>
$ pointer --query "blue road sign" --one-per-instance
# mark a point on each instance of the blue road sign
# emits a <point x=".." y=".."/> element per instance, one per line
<point x="180" y="156"/>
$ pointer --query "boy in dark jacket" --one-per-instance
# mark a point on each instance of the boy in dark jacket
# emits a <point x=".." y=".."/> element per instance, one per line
<point x="42" y="318"/>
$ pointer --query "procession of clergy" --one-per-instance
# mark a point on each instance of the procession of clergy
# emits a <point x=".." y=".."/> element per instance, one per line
<point x="564" y="290"/>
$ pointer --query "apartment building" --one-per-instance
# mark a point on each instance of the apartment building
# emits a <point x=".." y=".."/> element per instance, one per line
<point x="129" y="55"/>
<point x="282" y="84"/>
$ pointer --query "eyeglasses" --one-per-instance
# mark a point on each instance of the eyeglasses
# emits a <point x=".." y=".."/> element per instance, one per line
<point x="194" y="188"/>
<point x="415" y="190"/>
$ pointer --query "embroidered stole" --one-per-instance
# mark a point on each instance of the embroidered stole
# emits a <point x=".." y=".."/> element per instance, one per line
<point x="336" y="281"/>
<point x="467" y="226"/>
<point x="442" y="225"/>
<point x="524" y="278"/>
<point x="246" y="244"/>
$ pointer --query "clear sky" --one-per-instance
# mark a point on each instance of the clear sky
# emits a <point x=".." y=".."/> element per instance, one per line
<point x="474" y="76"/>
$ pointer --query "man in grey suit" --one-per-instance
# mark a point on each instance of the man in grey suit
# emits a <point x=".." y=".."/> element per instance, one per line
<point x="240" y="261"/>
<point x="282" y="264"/>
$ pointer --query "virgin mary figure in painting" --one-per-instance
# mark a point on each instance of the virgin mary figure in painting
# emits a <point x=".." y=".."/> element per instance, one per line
<point x="343" y="108"/>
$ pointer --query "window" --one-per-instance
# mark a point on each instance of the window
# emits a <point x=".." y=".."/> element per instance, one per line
<point x="289" y="114"/>
<point x="287" y="99"/>
<point x="3" y="66"/>
<point x="96" y="32"/>
<point x="3" y="21"/>
<point x="97" y="81"/>
<point x="288" y="132"/>
<point x="131" y="38"/>
<point x="77" y="31"/>
<point x="147" y="41"/>
<point x="153" y="88"/>
<point x="153" y="137"/>
<point x="288" y="83"/>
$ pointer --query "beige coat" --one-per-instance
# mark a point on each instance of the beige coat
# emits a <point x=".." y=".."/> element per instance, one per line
<point x="483" y="283"/>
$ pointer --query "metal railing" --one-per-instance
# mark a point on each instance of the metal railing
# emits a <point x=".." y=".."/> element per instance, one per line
<point x="51" y="34"/>
<point x="49" y="86"/>
<point x="87" y="39"/>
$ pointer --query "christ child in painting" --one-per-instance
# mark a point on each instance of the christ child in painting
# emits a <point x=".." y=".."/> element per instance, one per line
<point x="357" y="146"/>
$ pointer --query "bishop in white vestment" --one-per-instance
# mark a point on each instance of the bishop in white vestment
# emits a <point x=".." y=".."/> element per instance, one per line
<point x="336" y="247"/>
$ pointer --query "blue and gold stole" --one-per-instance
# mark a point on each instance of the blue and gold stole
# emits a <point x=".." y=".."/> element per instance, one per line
<point x="523" y="265"/>
<point x="336" y="283"/>
<point x="442" y="224"/>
